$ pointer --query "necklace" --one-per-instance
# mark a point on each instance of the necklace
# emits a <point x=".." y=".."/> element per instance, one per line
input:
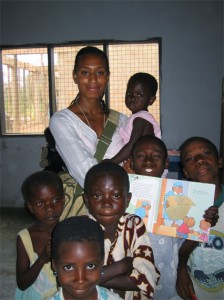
<point x="87" y="121"/>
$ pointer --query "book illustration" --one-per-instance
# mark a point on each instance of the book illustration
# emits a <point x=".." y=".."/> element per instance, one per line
<point x="172" y="207"/>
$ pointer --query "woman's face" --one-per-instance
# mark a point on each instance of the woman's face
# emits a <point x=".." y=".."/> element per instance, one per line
<point x="91" y="77"/>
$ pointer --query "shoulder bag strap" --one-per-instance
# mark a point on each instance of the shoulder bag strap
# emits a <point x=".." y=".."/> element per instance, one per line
<point x="106" y="137"/>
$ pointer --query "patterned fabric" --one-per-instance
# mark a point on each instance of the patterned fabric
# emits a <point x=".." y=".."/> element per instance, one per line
<point x="125" y="131"/>
<point x="76" y="142"/>
<point x="206" y="262"/>
<point x="133" y="240"/>
<point x="165" y="251"/>
<point x="103" y="294"/>
<point x="45" y="285"/>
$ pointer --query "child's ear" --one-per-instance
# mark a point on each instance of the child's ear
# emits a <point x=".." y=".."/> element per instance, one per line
<point x="74" y="75"/>
<point x="152" y="100"/>
<point x="220" y="163"/>
<point x="128" y="198"/>
<point x="29" y="206"/>
<point x="53" y="265"/>
<point x="186" y="174"/>
<point x="167" y="163"/>
<point x="85" y="198"/>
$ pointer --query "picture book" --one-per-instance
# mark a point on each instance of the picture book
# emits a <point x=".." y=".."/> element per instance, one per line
<point x="172" y="207"/>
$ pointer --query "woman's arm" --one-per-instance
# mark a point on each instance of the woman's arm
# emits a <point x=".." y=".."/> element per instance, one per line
<point x="75" y="142"/>
<point x="26" y="274"/>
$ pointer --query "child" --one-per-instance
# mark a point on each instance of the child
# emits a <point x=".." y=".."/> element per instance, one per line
<point x="77" y="259"/>
<point x="204" y="262"/>
<point x="149" y="158"/>
<point x="129" y="263"/>
<point x="43" y="195"/>
<point x="140" y="93"/>
<point x="50" y="158"/>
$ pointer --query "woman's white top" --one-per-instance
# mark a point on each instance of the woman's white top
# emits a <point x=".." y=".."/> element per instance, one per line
<point x="76" y="142"/>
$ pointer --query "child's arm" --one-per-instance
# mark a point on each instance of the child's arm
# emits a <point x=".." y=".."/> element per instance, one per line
<point x="26" y="274"/>
<point x="184" y="285"/>
<point x="140" y="127"/>
<point x="144" y="282"/>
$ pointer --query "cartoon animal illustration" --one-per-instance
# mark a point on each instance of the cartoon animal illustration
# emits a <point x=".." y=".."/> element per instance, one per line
<point x="176" y="205"/>
<point x="204" y="230"/>
<point x="184" y="229"/>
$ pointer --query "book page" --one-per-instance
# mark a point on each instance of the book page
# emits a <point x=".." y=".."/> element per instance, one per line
<point x="144" y="201"/>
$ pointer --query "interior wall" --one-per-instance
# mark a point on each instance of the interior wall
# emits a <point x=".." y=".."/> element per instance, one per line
<point x="192" y="63"/>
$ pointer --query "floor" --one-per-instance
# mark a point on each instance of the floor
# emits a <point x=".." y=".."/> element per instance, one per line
<point x="12" y="220"/>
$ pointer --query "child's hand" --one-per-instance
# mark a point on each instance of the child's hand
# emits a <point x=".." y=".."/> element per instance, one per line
<point x="127" y="166"/>
<point x="46" y="254"/>
<point x="211" y="215"/>
<point x="184" y="285"/>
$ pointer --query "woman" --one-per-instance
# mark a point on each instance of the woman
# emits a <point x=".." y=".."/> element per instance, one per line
<point x="78" y="128"/>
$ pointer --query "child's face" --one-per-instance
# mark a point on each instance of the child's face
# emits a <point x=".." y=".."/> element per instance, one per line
<point x="91" y="77"/>
<point x="46" y="204"/>
<point x="107" y="198"/>
<point x="148" y="159"/>
<point x="78" y="266"/>
<point x="200" y="162"/>
<point x="138" y="97"/>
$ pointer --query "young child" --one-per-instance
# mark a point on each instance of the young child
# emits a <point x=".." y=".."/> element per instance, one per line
<point x="43" y="195"/>
<point x="149" y="158"/>
<point x="140" y="94"/>
<point x="129" y="263"/>
<point x="50" y="159"/>
<point x="204" y="262"/>
<point x="77" y="259"/>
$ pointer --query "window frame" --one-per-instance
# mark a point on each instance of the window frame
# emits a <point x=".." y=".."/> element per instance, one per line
<point x="51" y="78"/>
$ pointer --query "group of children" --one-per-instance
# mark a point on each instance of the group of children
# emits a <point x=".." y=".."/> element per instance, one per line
<point x="119" y="259"/>
<point x="108" y="253"/>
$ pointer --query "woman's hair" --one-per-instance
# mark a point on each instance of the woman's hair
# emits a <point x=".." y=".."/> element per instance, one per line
<point x="77" y="229"/>
<point x="106" y="168"/>
<point x="88" y="51"/>
<point x="197" y="139"/>
<point x="150" y="138"/>
<point x="94" y="51"/>
<point x="40" y="178"/>
<point x="146" y="79"/>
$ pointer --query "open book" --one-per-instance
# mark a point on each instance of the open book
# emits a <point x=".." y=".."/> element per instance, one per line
<point x="172" y="207"/>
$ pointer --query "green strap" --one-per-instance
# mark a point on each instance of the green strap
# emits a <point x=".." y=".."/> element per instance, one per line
<point x="107" y="134"/>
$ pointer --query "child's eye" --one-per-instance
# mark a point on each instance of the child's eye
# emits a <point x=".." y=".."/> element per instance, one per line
<point x="96" y="196"/>
<point x="139" y="95"/>
<point x="189" y="160"/>
<point x="116" y="196"/>
<point x="39" y="204"/>
<point x="84" y="73"/>
<point x="100" y="73"/>
<point x="140" y="156"/>
<point x="207" y="153"/>
<point x="156" y="156"/>
<point x="91" y="266"/>
<point x="56" y="200"/>
<point x="68" y="268"/>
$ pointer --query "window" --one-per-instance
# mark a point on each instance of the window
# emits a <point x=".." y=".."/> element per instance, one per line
<point x="38" y="81"/>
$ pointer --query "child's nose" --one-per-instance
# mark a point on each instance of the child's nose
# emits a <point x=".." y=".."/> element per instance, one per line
<point x="199" y="159"/>
<point x="49" y="206"/>
<point x="80" y="275"/>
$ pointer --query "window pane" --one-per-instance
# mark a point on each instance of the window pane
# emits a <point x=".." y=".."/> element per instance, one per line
<point x="125" y="60"/>
<point x="66" y="89"/>
<point x="26" y="91"/>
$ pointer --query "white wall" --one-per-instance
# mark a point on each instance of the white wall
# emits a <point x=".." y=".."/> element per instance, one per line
<point x="192" y="63"/>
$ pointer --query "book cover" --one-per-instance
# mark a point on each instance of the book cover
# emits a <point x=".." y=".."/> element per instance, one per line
<point x="172" y="207"/>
